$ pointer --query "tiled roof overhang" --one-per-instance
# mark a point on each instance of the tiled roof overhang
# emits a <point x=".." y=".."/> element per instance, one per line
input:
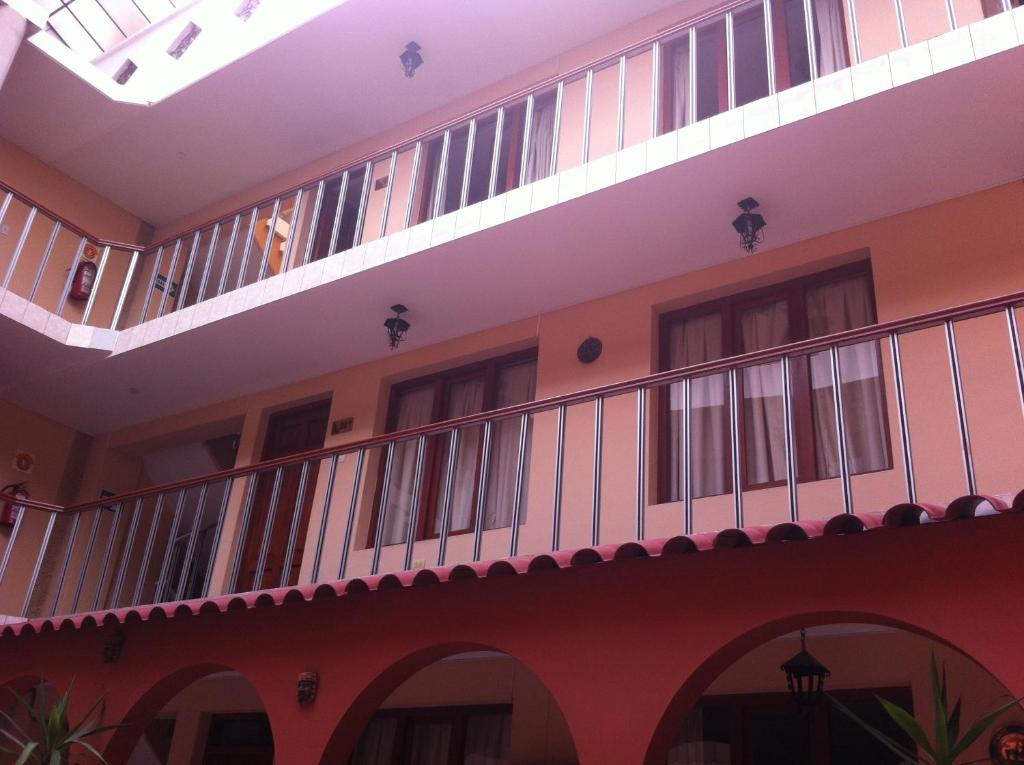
<point x="902" y="515"/>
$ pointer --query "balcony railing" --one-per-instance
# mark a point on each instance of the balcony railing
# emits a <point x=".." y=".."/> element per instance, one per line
<point x="695" y="70"/>
<point x="91" y="27"/>
<point x="568" y="472"/>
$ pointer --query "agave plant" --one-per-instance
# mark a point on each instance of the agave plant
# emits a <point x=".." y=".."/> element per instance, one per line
<point x="51" y="737"/>
<point x="948" y="744"/>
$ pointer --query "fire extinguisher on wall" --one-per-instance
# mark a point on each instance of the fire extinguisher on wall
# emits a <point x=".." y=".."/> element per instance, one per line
<point x="9" y="511"/>
<point x="85" y="277"/>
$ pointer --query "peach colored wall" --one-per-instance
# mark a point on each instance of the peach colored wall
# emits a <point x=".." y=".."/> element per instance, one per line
<point x="919" y="264"/>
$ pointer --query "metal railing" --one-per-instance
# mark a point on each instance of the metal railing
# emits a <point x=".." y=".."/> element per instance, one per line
<point x="571" y="471"/>
<point x="661" y="83"/>
<point x="92" y="27"/>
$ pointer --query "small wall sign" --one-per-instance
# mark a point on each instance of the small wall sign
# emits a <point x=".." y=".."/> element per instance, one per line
<point x="161" y="284"/>
<point x="1007" y="745"/>
<point x="23" y="461"/>
<point x="342" y="426"/>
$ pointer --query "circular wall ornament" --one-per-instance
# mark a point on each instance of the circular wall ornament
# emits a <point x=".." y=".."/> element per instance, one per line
<point x="1007" y="745"/>
<point x="589" y="350"/>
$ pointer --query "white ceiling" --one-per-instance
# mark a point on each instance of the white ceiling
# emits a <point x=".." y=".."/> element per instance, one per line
<point x="314" y="91"/>
<point x="899" y="150"/>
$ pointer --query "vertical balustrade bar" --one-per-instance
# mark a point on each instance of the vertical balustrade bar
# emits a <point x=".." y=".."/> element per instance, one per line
<point x="730" y="60"/>
<point x="812" y="38"/>
<point x="268" y="528"/>
<point x="446" y="506"/>
<point x="186" y="277"/>
<point x="147" y="551"/>
<point x="787" y="416"/>
<point x="314" y="217"/>
<point x="499" y="128"/>
<point x="951" y="15"/>
<point x="687" y="459"/>
<point x="387" y="195"/>
<point x="71" y="275"/>
<point x="382" y="512"/>
<point x="769" y="46"/>
<point x="961" y="408"/>
<point x="620" y="112"/>
<point x="165" y="565"/>
<point x="269" y="244"/>
<point x="527" y="131"/>
<point x="588" y="101"/>
<point x="38" y="565"/>
<point x="364" y="201"/>
<point x="656" y="88"/>
<point x="557" y="127"/>
<point x="595" y="521"/>
<point x="243" y="266"/>
<point x="11" y="542"/>
<point x="190" y="548"/>
<point x="123" y="297"/>
<point x="29" y="219"/>
<point x="467" y="167"/>
<point x="350" y="522"/>
<point x="1018" y="362"/>
<point x="293" y="530"/>
<point x="293" y="232"/>
<point x="414" y="179"/>
<point x="442" y="175"/>
<point x="691" y="103"/>
<point x="5" y="205"/>
<point x="901" y="407"/>
<point x="243" y="531"/>
<point x="556" y="509"/>
<point x="115" y="524"/>
<point x="168" y="282"/>
<point x="481" y="499"/>
<point x="332" y="248"/>
<point x="217" y="534"/>
<point x="62" y="572"/>
<point x="734" y="442"/>
<point x="228" y="255"/>
<point x="89" y="545"/>
<point x="129" y="542"/>
<point x="641" y="462"/>
<point x="100" y="273"/>
<point x="322" y="533"/>
<point x="837" y="405"/>
<point x="901" y="22"/>
<point x="517" y="500"/>
<point x="204" y="281"/>
<point x="42" y="263"/>
<point x="414" y="509"/>
<point x="851" y="10"/>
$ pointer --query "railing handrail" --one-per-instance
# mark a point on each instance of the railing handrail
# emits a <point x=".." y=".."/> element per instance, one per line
<point x="658" y="379"/>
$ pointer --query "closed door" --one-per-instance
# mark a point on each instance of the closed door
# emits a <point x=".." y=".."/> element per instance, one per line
<point x="290" y="432"/>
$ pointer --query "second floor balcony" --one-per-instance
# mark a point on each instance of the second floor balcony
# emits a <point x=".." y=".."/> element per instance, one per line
<point x="849" y="430"/>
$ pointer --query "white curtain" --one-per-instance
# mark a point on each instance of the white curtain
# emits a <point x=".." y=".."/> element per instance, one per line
<point x="828" y="16"/>
<point x="377" y="744"/>
<point x="831" y="308"/>
<point x="430" y="744"/>
<point x="695" y="341"/>
<point x="487" y="739"/>
<point x="538" y="155"/>
<point x="764" y="440"/>
<point x="680" y="64"/>
<point x="465" y="397"/>
<point x="414" y="409"/>
<point x="516" y="385"/>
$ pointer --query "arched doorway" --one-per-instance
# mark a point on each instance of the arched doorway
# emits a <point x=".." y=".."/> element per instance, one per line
<point x="475" y="707"/>
<point x="747" y="716"/>
<point x="205" y="715"/>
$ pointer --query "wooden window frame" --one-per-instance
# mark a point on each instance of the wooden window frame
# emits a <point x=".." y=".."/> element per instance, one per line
<point x="436" y="450"/>
<point x="731" y="308"/>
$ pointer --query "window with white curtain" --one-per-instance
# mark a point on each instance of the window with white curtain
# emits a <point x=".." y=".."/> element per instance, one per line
<point x="816" y="306"/>
<point x="437" y="736"/>
<point x="481" y="387"/>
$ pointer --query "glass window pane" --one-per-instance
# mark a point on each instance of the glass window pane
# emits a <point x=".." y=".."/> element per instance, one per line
<point x="639" y="76"/>
<point x="712" y="80"/>
<point x="542" y="128"/>
<point x="483" y="153"/>
<point x="676" y="87"/>
<point x="831" y="34"/>
<point x="604" y="112"/>
<point x="751" y="54"/>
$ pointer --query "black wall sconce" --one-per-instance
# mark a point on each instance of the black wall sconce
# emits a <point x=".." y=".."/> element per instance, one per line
<point x="749" y="225"/>
<point x="309" y="683"/>
<point x="396" y="326"/>
<point x="112" y="648"/>
<point x="411" y="59"/>
<point x="589" y="350"/>
<point x="805" y="676"/>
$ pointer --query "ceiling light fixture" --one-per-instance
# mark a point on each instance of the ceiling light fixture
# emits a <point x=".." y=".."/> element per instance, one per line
<point x="411" y="58"/>
<point x="749" y="225"/>
<point x="396" y="326"/>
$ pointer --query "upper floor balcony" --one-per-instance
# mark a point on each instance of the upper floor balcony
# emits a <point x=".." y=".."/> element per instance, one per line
<point x="861" y="426"/>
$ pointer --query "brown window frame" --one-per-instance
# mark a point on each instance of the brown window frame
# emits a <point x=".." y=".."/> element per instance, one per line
<point x="434" y="458"/>
<point x="731" y="308"/>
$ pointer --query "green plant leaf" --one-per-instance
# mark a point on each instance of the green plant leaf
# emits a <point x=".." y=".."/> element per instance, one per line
<point x="911" y="727"/>
<point x="92" y="750"/>
<point x="889" y="743"/>
<point x="980" y="726"/>
<point x="954" y="723"/>
<point x="27" y="753"/>
<point x="939" y="708"/>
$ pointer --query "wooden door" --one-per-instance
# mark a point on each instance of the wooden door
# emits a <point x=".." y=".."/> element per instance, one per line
<point x="289" y="432"/>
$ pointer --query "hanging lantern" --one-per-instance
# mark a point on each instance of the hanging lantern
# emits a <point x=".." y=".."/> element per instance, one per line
<point x="396" y="326"/>
<point x="805" y="676"/>
<point x="749" y="225"/>
<point x="411" y="59"/>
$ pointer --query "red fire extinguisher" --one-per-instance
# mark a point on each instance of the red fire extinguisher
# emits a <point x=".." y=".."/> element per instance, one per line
<point x="9" y="511"/>
<point x="85" y="277"/>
